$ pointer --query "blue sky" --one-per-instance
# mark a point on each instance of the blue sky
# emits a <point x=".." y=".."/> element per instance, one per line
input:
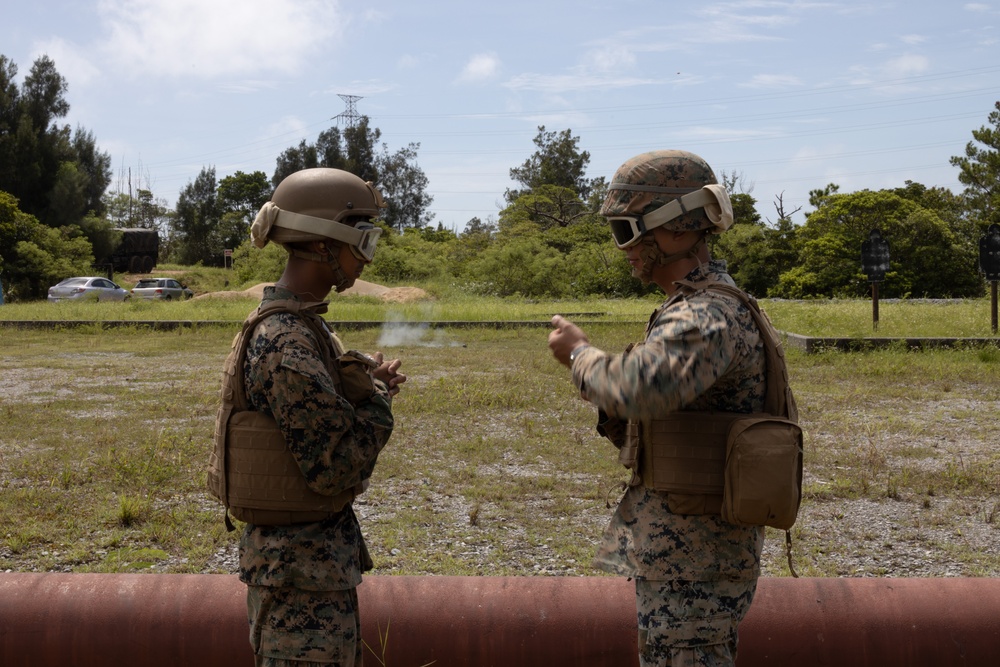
<point x="788" y="95"/>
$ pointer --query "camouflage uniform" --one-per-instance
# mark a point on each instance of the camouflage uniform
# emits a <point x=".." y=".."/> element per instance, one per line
<point x="301" y="578"/>
<point x="695" y="573"/>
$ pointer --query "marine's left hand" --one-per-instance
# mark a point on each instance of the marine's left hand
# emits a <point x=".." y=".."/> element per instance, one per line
<point x="388" y="372"/>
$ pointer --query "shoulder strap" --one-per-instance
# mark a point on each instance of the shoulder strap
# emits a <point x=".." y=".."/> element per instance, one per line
<point x="307" y="312"/>
<point x="779" y="399"/>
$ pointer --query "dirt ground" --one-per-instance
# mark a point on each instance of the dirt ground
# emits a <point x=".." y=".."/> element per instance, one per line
<point x="361" y="288"/>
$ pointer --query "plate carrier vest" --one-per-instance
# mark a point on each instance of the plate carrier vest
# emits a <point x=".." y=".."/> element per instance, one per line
<point x="691" y="455"/>
<point x="251" y="470"/>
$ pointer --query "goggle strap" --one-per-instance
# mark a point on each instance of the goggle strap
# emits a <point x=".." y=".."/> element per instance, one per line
<point x="320" y="226"/>
<point x="661" y="189"/>
<point x="678" y="207"/>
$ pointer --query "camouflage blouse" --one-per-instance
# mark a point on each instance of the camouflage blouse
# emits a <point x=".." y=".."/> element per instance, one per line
<point x="335" y="443"/>
<point x="702" y="351"/>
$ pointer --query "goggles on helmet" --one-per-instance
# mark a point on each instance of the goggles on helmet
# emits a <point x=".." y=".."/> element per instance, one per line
<point x="361" y="238"/>
<point x="627" y="230"/>
<point x="368" y="235"/>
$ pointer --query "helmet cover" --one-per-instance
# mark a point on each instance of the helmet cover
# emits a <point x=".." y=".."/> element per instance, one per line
<point x="651" y="180"/>
<point x="323" y="194"/>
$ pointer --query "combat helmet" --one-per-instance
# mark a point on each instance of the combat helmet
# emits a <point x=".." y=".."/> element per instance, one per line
<point x="672" y="189"/>
<point x="321" y="204"/>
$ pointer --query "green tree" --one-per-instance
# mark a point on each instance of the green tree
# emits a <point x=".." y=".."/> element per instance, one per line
<point x="474" y="239"/>
<point x="253" y="265"/>
<point x="926" y="258"/>
<point x="142" y="209"/>
<point x="403" y="184"/>
<point x="756" y="252"/>
<point x="330" y="149"/>
<point x="244" y="194"/>
<point x="33" y="256"/>
<point x="401" y="181"/>
<point x="43" y="102"/>
<point x="748" y="254"/>
<point x="979" y="171"/>
<point x="35" y="148"/>
<point x="416" y="254"/>
<point x="239" y="197"/>
<point x="362" y="155"/>
<point x="297" y="158"/>
<point x="67" y="198"/>
<point x="818" y="196"/>
<point x="523" y="266"/>
<point x="558" y="161"/>
<point x="95" y="165"/>
<point x="542" y="207"/>
<point x="196" y="226"/>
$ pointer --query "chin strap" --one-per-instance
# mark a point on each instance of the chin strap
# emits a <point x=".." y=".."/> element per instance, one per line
<point x="340" y="279"/>
<point x="653" y="257"/>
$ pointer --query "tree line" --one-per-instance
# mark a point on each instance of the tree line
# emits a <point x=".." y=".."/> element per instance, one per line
<point x="59" y="210"/>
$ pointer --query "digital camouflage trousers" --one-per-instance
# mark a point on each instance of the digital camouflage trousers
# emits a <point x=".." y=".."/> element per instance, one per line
<point x="291" y="627"/>
<point x="690" y="623"/>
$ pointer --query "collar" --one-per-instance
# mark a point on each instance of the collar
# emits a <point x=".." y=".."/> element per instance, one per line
<point x="280" y="293"/>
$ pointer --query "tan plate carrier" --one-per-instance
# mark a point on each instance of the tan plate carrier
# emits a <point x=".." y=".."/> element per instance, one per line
<point x="746" y="467"/>
<point x="251" y="470"/>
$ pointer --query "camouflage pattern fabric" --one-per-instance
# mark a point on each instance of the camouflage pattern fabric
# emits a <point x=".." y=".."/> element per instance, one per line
<point x="702" y="352"/>
<point x="290" y="627"/>
<point x="690" y="623"/>
<point x="672" y="169"/>
<point x="336" y="445"/>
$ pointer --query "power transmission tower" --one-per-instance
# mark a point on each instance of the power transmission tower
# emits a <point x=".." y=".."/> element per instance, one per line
<point x="350" y="115"/>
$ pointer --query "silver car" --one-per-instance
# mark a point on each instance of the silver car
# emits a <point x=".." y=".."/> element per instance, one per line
<point x="87" y="288"/>
<point x="161" y="288"/>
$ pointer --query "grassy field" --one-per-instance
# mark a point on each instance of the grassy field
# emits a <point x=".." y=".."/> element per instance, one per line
<point x="964" y="318"/>
<point x="494" y="467"/>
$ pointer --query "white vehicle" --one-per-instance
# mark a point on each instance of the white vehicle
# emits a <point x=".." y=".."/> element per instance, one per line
<point x="87" y="289"/>
<point x="167" y="289"/>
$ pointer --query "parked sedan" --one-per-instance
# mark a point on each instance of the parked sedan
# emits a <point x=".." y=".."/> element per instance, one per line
<point x="161" y="288"/>
<point x="88" y="288"/>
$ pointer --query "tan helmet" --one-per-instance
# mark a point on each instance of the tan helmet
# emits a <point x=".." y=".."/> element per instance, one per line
<point x="673" y="189"/>
<point x="321" y="203"/>
<point x="332" y="194"/>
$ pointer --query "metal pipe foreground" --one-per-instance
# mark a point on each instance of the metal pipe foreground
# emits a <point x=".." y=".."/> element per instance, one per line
<point x="147" y="620"/>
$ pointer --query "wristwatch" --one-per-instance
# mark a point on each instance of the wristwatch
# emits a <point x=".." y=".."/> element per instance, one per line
<point x="576" y="353"/>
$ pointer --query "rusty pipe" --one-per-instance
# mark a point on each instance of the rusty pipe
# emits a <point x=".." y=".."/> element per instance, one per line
<point x="149" y="620"/>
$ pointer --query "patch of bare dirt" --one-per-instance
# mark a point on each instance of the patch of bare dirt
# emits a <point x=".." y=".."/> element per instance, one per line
<point x="360" y="287"/>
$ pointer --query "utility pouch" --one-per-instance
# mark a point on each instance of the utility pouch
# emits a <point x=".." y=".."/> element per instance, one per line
<point x="356" y="380"/>
<point x="763" y="475"/>
<point x="628" y="455"/>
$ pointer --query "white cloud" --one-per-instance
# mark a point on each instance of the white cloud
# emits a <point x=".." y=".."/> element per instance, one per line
<point x="480" y="67"/>
<point x="408" y="62"/>
<point x="71" y="61"/>
<point x="288" y="126"/>
<point x="912" y="40"/>
<point x="563" y="83"/>
<point x="612" y="58"/>
<point x="906" y="65"/>
<point x="195" y="38"/>
<point x="724" y="135"/>
<point x="248" y="86"/>
<point x="975" y="7"/>
<point x="772" y="81"/>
